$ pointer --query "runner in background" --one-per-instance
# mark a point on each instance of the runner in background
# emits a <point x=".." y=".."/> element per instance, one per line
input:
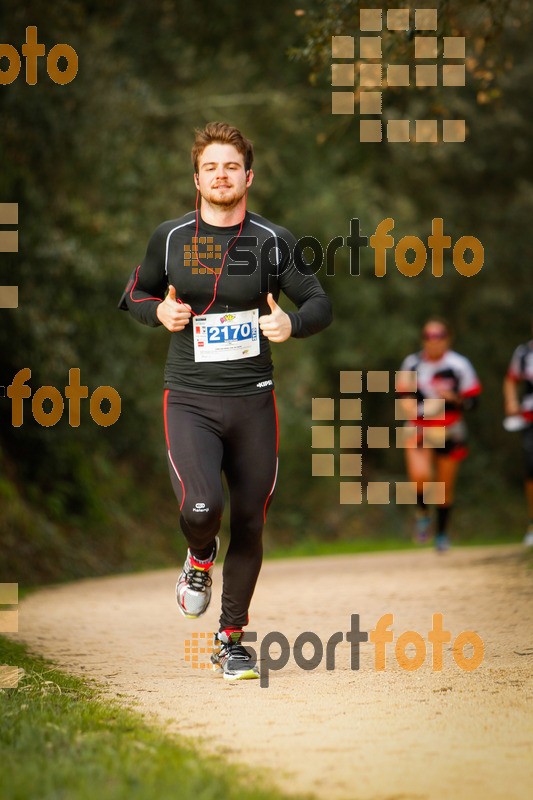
<point x="212" y="278"/>
<point x="446" y="386"/>
<point x="520" y="375"/>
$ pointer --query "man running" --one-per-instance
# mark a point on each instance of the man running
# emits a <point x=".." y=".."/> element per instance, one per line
<point x="213" y="278"/>
<point x="521" y="372"/>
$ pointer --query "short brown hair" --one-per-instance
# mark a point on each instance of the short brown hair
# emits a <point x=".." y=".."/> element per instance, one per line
<point x="225" y="134"/>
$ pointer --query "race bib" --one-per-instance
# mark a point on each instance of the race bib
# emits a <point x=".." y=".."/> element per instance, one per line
<point x="226" y="337"/>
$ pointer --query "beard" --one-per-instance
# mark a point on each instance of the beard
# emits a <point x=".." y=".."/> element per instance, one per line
<point x="227" y="199"/>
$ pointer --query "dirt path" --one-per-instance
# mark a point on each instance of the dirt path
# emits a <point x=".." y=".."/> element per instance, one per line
<point x="341" y="733"/>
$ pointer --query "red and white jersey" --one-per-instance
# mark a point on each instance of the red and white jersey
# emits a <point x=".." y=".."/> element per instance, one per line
<point x="450" y="373"/>
<point x="521" y="370"/>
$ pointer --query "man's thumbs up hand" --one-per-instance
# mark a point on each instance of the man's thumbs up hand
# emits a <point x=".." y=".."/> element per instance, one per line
<point x="173" y="314"/>
<point x="276" y="326"/>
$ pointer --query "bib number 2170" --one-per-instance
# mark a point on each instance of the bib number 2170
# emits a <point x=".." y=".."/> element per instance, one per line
<point x="229" y="333"/>
<point x="226" y="337"/>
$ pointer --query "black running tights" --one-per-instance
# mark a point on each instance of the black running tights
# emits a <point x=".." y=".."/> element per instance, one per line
<point x="206" y="435"/>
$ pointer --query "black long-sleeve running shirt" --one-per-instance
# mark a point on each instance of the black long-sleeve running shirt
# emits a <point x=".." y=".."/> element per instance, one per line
<point x="265" y="258"/>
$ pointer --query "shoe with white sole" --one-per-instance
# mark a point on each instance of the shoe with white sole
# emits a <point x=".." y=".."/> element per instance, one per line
<point x="193" y="589"/>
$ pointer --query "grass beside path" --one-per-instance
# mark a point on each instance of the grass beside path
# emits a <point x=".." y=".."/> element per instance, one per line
<point x="58" y="740"/>
<point x="321" y="547"/>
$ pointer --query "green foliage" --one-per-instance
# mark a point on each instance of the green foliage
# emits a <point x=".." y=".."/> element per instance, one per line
<point x="97" y="164"/>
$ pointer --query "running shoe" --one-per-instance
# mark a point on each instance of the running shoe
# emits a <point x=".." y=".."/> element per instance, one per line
<point x="528" y="538"/>
<point x="442" y="542"/>
<point x="422" y="528"/>
<point x="193" y="589"/>
<point x="232" y="658"/>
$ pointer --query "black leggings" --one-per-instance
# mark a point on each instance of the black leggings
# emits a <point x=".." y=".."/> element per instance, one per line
<point x="238" y="435"/>
<point x="527" y="445"/>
